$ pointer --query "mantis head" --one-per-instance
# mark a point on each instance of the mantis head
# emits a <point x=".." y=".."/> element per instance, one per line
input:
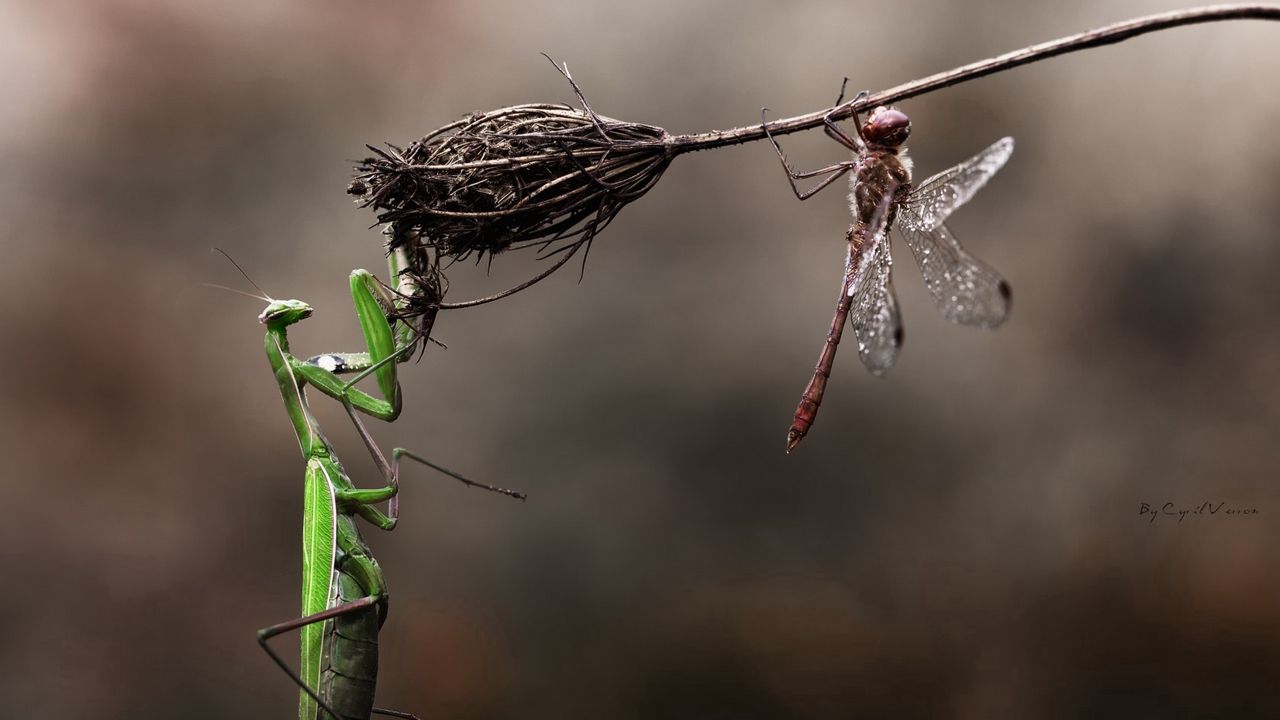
<point x="284" y="312"/>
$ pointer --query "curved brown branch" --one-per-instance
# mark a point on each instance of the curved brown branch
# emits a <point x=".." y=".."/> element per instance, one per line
<point x="1081" y="41"/>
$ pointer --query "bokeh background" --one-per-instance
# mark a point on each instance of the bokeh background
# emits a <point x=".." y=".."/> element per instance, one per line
<point x="960" y="540"/>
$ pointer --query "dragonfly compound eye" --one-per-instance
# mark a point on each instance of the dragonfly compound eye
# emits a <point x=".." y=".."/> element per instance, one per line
<point x="887" y="127"/>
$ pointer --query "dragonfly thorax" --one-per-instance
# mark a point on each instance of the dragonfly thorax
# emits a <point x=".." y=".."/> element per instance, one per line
<point x="886" y="127"/>
<point x="880" y="175"/>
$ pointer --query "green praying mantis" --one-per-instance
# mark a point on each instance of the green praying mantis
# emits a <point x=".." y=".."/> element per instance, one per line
<point x="344" y="592"/>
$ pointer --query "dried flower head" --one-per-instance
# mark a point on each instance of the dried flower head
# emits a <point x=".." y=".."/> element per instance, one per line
<point x="543" y="176"/>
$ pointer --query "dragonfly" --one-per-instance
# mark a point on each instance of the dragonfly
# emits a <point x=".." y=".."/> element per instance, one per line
<point x="882" y="197"/>
<point x="344" y="590"/>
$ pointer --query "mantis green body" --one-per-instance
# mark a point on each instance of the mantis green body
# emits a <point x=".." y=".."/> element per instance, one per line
<point x="344" y="592"/>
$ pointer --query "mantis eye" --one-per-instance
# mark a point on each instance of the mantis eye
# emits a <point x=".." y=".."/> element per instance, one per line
<point x="886" y="127"/>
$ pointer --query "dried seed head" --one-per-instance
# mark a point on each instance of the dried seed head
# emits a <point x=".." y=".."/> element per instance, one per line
<point x="544" y="176"/>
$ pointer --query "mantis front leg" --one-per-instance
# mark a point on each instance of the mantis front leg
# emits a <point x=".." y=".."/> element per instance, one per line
<point x="386" y="347"/>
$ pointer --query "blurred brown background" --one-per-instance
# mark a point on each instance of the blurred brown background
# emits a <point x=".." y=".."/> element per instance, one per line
<point x="961" y="539"/>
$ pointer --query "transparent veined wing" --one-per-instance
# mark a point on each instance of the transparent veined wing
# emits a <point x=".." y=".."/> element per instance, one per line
<point x="966" y="290"/>
<point x="933" y="200"/>
<point x="873" y="309"/>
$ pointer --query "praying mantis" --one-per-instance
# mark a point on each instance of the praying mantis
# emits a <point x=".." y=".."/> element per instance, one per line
<point x="344" y="592"/>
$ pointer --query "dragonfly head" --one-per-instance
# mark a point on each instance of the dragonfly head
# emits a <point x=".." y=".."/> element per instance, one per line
<point x="886" y="127"/>
<point x="285" y="312"/>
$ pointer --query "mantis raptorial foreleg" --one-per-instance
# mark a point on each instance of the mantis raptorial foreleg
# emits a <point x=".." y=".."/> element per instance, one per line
<point x="385" y="349"/>
<point x="389" y="338"/>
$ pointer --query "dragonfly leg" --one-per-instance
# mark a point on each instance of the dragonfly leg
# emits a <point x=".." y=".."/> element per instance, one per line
<point x="267" y="633"/>
<point x="391" y="474"/>
<point x="840" y="98"/>
<point x="837" y="133"/>
<point x="836" y="171"/>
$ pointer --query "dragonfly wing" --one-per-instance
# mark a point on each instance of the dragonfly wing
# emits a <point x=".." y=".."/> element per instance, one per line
<point x="935" y="199"/>
<point x="873" y="309"/>
<point x="965" y="289"/>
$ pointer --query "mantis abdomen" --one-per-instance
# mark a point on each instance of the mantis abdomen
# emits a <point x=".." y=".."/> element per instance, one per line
<point x="349" y="672"/>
